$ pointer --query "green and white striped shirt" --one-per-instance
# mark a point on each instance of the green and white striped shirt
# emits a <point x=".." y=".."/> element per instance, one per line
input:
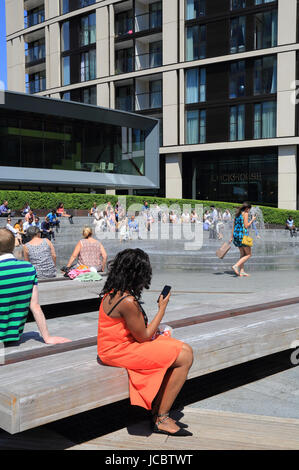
<point x="17" y="279"/>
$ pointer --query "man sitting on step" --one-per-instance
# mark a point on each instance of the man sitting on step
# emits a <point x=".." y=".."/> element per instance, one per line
<point x="18" y="293"/>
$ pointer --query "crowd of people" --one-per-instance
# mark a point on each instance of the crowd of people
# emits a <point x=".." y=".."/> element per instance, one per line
<point x="116" y="219"/>
<point x="36" y="237"/>
<point x="47" y="226"/>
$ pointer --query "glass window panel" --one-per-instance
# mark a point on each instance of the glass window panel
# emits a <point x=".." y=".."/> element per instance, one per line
<point x="65" y="36"/>
<point x="192" y="127"/>
<point x="257" y="133"/>
<point x="192" y="80"/>
<point x="71" y="5"/>
<point x="237" y="34"/>
<point x="237" y="4"/>
<point x="266" y="30"/>
<point x="237" y="79"/>
<point x="202" y="127"/>
<point x="265" y="75"/>
<point x="269" y="119"/>
<point x="261" y="2"/>
<point x="66" y="71"/>
<point x="195" y="42"/>
<point x="237" y="122"/>
<point x="265" y="120"/>
<point x="195" y="9"/>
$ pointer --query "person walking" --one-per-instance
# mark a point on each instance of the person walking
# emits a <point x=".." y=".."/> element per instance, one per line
<point x="157" y="368"/>
<point x="240" y="228"/>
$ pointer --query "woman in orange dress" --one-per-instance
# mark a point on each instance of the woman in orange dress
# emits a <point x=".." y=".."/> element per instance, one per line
<point x="157" y="368"/>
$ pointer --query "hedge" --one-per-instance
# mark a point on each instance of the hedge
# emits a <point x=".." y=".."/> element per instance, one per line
<point x="39" y="200"/>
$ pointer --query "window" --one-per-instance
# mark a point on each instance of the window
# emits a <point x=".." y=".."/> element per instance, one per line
<point x="155" y="15"/>
<point x="88" y="65"/>
<point x="237" y="34"/>
<point x="237" y="4"/>
<point x="35" y="51"/>
<point x="266" y="29"/>
<point x="124" y="23"/>
<point x="155" y="54"/>
<point x="71" y="5"/>
<point x="195" y="126"/>
<point x="88" y="30"/>
<point x="195" y="9"/>
<point x="265" y="75"/>
<point x="237" y="122"/>
<point x="261" y="2"/>
<point x="66" y="70"/>
<point x="34" y="16"/>
<point x="124" y="98"/>
<point x="237" y="79"/>
<point x="82" y="95"/>
<point x="265" y="120"/>
<point x="195" y="85"/>
<point x="195" y="42"/>
<point x="65" y="36"/>
<point x="124" y="60"/>
<point x="155" y="98"/>
<point x="36" y="82"/>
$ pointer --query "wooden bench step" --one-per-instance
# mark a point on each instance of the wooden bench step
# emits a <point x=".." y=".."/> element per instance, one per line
<point x="38" y="391"/>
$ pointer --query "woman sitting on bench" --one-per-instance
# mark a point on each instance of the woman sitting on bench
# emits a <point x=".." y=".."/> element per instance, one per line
<point x="157" y="368"/>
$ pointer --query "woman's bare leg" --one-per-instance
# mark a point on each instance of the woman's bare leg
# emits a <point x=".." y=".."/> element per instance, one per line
<point x="246" y="255"/>
<point x="173" y="381"/>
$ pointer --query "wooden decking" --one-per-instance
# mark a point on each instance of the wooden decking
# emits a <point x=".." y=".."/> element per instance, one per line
<point x="212" y="430"/>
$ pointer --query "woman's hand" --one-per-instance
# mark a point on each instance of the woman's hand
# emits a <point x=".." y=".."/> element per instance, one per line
<point x="163" y="301"/>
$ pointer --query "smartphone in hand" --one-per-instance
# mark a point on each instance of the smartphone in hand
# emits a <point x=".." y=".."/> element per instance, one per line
<point x="165" y="292"/>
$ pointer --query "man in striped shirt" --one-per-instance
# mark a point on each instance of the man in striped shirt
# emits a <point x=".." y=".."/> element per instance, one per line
<point x="18" y="293"/>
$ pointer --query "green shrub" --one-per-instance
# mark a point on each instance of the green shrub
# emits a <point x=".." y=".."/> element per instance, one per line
<point x="39" y="200"/>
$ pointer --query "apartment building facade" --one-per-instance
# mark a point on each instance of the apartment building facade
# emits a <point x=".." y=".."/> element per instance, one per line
<point x="220" y="75"/>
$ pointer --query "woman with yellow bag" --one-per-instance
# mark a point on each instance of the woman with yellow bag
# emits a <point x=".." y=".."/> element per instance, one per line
<point x="241" y="239"/>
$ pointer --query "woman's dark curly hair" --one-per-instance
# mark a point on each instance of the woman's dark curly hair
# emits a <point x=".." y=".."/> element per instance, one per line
<point x="131" y="271"/>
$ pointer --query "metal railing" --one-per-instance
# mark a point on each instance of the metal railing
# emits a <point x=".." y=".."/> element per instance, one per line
<point x="139" y="23"/>
<point x="137" y="62"/>
<point x="150" y="100"/>
<point x="35" y="86"/>
<point x="35" y="53"/>
<point x="35" y="18"/>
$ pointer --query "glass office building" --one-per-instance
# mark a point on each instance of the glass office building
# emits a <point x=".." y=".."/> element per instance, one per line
<point x="87" y="144"/>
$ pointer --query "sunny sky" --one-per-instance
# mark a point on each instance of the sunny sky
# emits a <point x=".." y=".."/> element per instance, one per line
<point x="3" y="66"/>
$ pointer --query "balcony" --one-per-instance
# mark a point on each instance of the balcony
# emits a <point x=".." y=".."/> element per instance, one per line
<point x="124" y="103"/>
<point x="35" y="55"/>
<point x="147" y="101"/>
<point x="128" y="25"/>
<point x="126" y="63"/>
<point x="34" y="16"/>
<point x="36" y="83"/>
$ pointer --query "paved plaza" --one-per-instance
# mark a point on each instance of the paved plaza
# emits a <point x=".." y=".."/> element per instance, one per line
<point x="254" y="405"/>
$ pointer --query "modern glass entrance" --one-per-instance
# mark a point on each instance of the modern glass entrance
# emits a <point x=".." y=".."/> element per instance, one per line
<point x="236" y="176"/>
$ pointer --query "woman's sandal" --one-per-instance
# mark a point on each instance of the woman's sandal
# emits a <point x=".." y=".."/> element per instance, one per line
<point x="180" y="433"/>
<point x="154" y="416"/>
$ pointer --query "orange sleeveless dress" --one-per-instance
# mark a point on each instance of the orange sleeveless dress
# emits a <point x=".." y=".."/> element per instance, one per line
<point x="146" y="363"/>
